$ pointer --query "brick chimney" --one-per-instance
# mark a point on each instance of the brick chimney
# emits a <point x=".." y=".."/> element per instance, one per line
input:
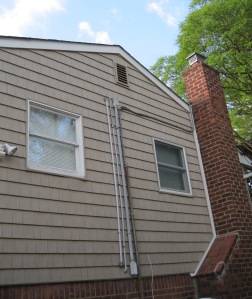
<point x="229" y="259"/>
<point x="226" y="186"/>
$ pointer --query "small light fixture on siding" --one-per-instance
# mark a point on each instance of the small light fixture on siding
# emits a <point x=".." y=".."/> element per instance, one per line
<point x="6" y="149"/>
<point x="194" y="57"/>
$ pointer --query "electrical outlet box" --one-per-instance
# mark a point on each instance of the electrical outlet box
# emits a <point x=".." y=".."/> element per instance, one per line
<point x="133" y="268"/>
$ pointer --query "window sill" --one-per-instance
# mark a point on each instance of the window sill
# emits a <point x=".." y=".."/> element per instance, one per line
<point x="56" y="173"/>
<point x="176" y="192"/>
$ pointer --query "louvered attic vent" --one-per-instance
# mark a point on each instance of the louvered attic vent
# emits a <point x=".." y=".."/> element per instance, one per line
<point x="121" y="74"/>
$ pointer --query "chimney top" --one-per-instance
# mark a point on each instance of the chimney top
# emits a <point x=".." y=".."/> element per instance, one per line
<point x="194" y="57"/>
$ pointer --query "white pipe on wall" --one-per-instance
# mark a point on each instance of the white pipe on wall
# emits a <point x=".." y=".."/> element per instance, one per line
<point x="115" y="185"/>
<point x="120" y="191"/>
<point x="133" y="265"/>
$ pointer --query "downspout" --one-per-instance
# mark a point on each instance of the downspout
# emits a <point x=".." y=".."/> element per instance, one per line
<point x="126" y="168"/>
<point x="115" y="186"/>
<point x="134" y="231"/>
<point x="140" y="281"/>
<point x="133" y="265"/>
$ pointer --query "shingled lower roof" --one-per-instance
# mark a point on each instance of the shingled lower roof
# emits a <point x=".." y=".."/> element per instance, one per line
<point x="218" y="255"/>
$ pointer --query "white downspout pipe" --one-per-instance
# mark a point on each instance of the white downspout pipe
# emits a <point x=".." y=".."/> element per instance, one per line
<point x="133" y="265"/>
<point x="115" y="185"/>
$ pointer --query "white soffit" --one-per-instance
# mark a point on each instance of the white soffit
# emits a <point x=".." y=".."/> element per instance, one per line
<point x="57" y="45"/>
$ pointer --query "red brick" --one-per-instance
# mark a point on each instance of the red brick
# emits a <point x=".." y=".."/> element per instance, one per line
<point x="228" y="195"/>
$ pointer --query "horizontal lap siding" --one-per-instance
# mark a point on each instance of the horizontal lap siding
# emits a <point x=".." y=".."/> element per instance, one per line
<point x="164" y="218"/>
<point x="48" y="214"/>
<point x="188" y="224"/>
<point x="62" y="222"/>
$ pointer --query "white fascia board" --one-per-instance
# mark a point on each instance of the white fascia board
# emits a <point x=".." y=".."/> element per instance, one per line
<point x="57" y="45"/>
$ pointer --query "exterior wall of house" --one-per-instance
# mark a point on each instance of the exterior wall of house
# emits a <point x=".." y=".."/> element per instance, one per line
<point x="55" y="228"/>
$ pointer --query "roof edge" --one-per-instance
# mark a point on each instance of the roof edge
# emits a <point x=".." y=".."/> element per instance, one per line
<point x="60" y="45"/>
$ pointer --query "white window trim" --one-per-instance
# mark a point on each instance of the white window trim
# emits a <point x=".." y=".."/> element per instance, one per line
<point x="163" y="190"/>
<point x="79" y="149"/>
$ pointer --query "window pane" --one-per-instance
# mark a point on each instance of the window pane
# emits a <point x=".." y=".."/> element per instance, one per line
<point x="171" y="179"/>
<point x="168" y="154"/>
<point x="52" y="154"/>
<point x="52" y="125"/>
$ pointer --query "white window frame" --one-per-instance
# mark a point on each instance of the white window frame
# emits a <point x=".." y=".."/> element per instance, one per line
<point x="79" y="147"/>
<point x="183" y="153"/>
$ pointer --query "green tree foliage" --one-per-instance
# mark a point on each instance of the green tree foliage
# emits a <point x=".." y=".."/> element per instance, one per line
<point x="221" y="30"/>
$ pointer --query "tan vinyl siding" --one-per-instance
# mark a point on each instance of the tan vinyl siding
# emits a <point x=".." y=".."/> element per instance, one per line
<point x="56" y="228"/>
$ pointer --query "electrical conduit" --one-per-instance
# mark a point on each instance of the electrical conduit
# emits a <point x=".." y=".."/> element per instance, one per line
<point x="133" y="264"/>
<point x="115" y="185"/>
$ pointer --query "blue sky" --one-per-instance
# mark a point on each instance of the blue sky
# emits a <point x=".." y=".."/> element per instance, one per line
<point x="147" y="29"/>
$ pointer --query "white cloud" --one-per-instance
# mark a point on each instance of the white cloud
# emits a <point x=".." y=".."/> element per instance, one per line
<point x="114" y="11"/>
<point x="86" y="28"/>
<point x="25" y="14"/>
<point x="116" y="14"/>
<point x="101" y="37"/>
<point x="158" y="8"/>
